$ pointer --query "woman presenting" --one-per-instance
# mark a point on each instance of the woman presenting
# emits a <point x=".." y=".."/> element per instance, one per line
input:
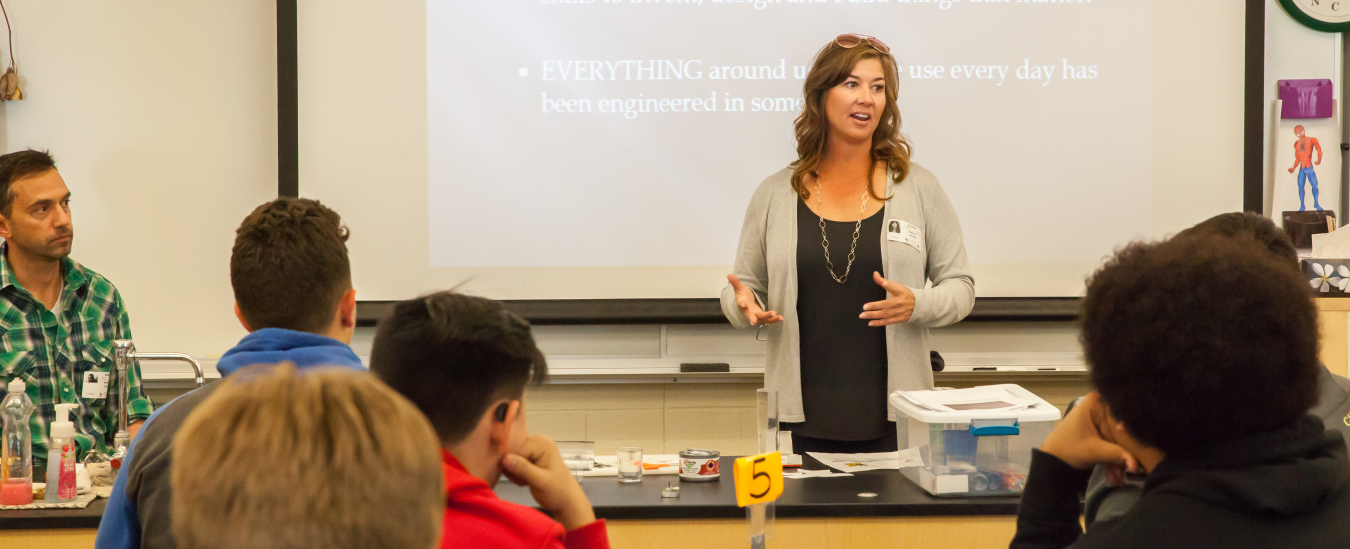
<point x="836" y="255"/>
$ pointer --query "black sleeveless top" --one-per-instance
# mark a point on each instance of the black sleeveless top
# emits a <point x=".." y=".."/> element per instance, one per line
<point x="843" y="360"/>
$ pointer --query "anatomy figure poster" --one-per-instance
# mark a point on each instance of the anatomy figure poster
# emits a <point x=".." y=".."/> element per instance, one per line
<point x="1306" y="167"/>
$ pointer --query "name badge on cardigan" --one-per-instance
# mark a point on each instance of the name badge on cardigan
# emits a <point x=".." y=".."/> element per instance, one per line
<point x="899" y="230"/>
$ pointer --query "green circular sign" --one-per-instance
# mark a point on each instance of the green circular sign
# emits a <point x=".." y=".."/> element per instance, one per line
<point x="1322" y="15"/>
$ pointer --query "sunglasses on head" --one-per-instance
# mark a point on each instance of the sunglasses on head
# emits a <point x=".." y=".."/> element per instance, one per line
<point x="853" y="40"/>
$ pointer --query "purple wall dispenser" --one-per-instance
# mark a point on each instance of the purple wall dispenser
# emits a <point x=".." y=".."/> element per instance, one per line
<point x="1305" y="98"/>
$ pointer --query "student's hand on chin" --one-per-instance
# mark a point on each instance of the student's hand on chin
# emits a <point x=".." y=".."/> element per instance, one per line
<point x="1082" y="441"/>
<point x="538" y="465"/>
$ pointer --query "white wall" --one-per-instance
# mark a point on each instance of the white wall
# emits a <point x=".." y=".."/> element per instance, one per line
<point x="162" y="119"/>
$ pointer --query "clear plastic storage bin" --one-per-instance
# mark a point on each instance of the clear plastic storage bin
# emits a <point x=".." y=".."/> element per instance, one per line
<point x="973" y="452"/>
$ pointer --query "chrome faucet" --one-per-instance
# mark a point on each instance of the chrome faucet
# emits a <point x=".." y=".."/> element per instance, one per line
<point x="124" y="355"/>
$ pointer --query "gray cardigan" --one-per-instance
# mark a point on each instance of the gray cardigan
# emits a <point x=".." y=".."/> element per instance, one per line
<point x="766" y="262"/>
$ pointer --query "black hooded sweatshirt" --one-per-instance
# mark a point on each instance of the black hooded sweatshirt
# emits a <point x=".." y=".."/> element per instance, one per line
<point x="1105" y="502"/>
<point x="1288" y="488"/>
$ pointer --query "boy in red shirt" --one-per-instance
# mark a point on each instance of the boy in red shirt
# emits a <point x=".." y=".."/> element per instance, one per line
<point x="465" y="362"/>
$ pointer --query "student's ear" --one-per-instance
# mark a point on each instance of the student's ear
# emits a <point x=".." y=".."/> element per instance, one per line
<point x="240" y="315"/>
<point x="503" y="414"/>
<point x="347" y="309"/>
<point x="4" y="226"/>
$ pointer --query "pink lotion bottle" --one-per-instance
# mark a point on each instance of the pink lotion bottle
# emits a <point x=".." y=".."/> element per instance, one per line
<point x="61" y="457"/>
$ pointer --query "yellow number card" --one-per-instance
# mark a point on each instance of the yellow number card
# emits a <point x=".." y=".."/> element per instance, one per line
<point x="759" y="479"/>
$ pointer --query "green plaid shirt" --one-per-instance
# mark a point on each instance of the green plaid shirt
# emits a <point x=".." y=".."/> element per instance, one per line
<point x="52" y="352"/>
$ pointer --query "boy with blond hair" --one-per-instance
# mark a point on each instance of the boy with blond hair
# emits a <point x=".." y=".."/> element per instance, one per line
<point x="329" y="457"/>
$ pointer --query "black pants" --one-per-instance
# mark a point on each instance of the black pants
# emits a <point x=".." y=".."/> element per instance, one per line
<point x="803" y="444"/>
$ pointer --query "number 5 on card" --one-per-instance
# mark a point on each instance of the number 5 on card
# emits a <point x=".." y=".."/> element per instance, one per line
<point x="759" y="479"/>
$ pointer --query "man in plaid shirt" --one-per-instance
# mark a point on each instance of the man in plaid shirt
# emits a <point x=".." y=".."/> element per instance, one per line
<point x="58" y="319"/>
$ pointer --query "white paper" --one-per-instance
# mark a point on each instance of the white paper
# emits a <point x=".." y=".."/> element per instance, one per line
<point x="989" y="398"/>
<point x="822" y="473"/>
<point x="82" y="482"/>
<point x="949" y="484"/>
<point x="1333" y="245"/>
<point x="852" y="463"/>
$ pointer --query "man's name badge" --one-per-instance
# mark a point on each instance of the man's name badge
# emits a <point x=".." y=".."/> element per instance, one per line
<point x="95" y="385"/>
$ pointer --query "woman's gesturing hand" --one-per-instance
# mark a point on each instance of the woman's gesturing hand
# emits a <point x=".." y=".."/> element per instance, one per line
<point x="895" y="310"/>
<point x="749" y="306"/>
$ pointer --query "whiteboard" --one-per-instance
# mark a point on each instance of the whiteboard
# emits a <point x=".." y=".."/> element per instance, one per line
<point x="437" y="134"/>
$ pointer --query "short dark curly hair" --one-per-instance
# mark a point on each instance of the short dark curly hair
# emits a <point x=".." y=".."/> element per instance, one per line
<point x="1251" y="225"/>
<point x="1199" y="340"/>
<point x="289" y="267"/>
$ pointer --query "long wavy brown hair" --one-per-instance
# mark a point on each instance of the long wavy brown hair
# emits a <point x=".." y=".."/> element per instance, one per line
<point x="832" y="66"/>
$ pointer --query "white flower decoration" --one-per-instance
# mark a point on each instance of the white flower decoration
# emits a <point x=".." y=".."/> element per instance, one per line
<point x="1329" y="277"/>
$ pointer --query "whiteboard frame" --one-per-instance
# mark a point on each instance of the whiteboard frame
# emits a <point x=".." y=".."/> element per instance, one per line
<point x="706" y="311"/>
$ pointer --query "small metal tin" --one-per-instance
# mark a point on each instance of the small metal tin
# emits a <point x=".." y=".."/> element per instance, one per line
<point x="700" y="465"/>
<point x="670" y="491"/>
<point x="995" y="482"/>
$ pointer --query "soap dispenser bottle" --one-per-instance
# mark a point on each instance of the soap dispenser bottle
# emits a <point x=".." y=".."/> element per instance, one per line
<point x="61" y="457"/>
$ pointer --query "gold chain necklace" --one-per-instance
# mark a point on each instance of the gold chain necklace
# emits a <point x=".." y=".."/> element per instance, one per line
<point x="825" y="240"/>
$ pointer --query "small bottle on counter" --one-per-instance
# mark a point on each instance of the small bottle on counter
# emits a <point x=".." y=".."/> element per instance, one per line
<point x="16" y="460"/>
<point x="61" y="457"/>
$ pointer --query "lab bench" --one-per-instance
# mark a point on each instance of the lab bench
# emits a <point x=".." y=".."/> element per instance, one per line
<point x="814" y="512"/>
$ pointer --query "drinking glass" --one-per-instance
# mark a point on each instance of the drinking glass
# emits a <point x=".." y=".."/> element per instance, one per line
<point x="630" y="464"/>
<point x="579" y="455"/>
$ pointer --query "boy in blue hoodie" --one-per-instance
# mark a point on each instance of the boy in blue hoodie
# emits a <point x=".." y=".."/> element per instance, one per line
<point x="293" y="293"/>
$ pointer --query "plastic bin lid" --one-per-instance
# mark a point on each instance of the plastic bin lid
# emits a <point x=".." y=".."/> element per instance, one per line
<point x="1041" y="411"/>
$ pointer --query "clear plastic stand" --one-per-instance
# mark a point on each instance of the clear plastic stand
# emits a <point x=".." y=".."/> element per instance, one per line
<point x="761" y="516"/>
<point x="766" y="420"/>
<point x="761" y="522"/>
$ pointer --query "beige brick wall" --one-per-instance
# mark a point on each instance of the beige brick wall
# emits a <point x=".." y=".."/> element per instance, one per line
<point x="667" y="418"/>
<point x="660" y="418"/>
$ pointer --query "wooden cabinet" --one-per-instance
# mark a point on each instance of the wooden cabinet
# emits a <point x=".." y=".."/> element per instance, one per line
<point x="1331" y="321"/>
